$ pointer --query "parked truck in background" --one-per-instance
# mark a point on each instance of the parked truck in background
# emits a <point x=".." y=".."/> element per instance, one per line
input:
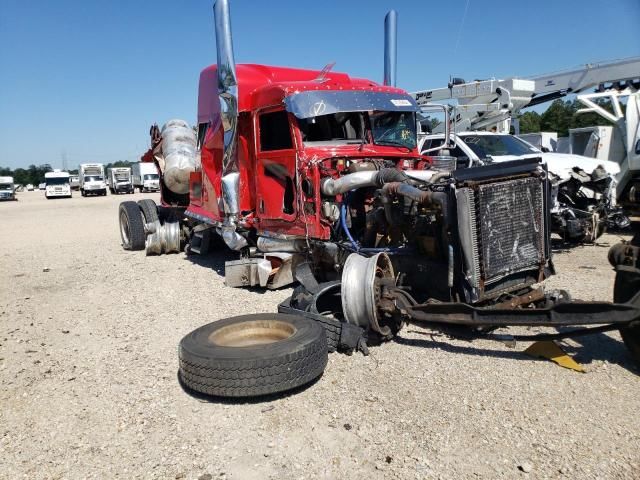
<point x="57" y="184"/>
<point x="92" y="179"/>
<point x="74" y="181"/>
<point x="119" y="180"/>
<point x="7" y="189"/>
<point x="145" y="177"/>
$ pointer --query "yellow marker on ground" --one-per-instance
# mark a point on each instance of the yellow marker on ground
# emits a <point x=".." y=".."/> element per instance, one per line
<point x="552" y="351"/>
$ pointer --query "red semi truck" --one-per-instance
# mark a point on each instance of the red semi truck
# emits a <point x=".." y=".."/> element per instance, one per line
<point x="314" y="176"/>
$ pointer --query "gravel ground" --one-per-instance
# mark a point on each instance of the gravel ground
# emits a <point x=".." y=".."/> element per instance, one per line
<point x="88" y="362"/>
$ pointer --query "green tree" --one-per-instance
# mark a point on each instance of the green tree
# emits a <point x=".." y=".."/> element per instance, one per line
<point x="557" y="118"/>
<point x="529" y="122"/>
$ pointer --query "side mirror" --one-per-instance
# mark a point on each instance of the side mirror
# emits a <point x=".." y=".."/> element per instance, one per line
<point x="638" y="148"/>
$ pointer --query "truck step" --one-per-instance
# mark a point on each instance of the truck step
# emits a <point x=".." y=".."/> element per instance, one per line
<point x="200" y="242"/>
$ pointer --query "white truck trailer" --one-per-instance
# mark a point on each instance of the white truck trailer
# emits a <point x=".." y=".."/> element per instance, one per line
<point x="7" y="189"/>
<point x="119" y="180"/>
<point x="543" y="141"/>
<point x="57" y="184"/>
<point x="92" y="180"/>
<point x="146" y="177"/>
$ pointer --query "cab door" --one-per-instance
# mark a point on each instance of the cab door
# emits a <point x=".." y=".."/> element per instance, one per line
<point x="276" y="166"/>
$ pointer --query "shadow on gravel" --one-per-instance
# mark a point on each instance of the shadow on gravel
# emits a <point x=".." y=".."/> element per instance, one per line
<point x="201" y="397"/>
<point x="214" y="260"/>
<point x="597" y="347"/>
<point x="603" y="348"/>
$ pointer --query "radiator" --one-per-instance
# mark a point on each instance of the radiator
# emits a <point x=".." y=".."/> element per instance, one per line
<point x="502" y="231"/>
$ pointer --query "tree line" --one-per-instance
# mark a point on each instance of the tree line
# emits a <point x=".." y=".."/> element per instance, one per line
<point x="34" y="174"/>
<point x="560" y="117"/>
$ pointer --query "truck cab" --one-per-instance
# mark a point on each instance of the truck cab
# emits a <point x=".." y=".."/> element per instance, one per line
<point x="92" y="181"/>
<point x="57" y="184"/>
<point x="119" y="180"/>
<point x="145" y="177"/>
<point x="296" y="129"/>
<point x="7" y="189"/>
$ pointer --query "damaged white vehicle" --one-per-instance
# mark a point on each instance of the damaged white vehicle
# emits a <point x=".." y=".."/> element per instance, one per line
<point x="583" y="188"/>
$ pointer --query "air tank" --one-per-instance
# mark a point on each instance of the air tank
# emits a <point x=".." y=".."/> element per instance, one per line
<point x="179" y="151"/>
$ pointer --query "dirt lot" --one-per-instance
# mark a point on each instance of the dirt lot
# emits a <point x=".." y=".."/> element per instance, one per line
<point x="88" y="362"/>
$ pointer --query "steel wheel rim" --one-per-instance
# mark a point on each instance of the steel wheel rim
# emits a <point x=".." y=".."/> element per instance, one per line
<point x="124" y="228"/>
<point x="253" y="333"/>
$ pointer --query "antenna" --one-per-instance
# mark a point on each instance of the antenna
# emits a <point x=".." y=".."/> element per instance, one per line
<point x="322" y="76"/>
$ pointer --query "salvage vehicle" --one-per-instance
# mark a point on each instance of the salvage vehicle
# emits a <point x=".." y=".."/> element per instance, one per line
<point x="7" y="189"/>
<point x="57" y="184"/>
<point x="315" y="176"/>
<point x="583" y="190"/>
<point x="92" y="180"/>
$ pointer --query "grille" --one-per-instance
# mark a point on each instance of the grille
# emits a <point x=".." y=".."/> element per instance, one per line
<point x="510" y="219"/>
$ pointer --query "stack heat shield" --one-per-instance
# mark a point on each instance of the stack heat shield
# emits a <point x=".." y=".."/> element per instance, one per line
<point x="503" y="235"/>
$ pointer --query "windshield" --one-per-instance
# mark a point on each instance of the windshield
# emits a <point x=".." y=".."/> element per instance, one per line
<point x="345" y="128"/>
<point x="6" y="186"/>
<point x="485" y="146"/>
<point x="57" y="180"/>
<point x="93" y="178"/>
<point x="337" y="128"/>
<point x="394" y="128"/>
<point x="152" y="176"/>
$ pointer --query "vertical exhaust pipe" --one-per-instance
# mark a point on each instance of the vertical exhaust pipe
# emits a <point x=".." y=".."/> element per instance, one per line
<point x="390" y="47"/>
<point x="228" y="96"/>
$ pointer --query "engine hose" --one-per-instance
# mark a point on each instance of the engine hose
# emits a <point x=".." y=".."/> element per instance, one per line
<point x="343" y="224"/>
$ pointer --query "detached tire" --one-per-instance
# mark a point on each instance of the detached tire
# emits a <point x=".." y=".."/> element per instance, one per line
<point x="626" y="285"/>
<point x="252" y="355"/>
<point x="131" y="226"/>
<point x="149" y="210"/>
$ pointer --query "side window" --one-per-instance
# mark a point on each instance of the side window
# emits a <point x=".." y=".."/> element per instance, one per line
<point x="274" y="131"/>
<point x="202" y="131"/>
<point x="429" y="144"/>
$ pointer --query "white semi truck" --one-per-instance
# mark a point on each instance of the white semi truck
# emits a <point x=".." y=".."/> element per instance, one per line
<point x="92" y="180"/>
<point x="146" y="177"/>
<point x="57" y="184"/>
<point x="119" y="180"/>
<point x="7" y="189"/>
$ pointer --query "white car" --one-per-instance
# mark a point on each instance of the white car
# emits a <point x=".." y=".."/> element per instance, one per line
<point x="583" y="188"/>
<point x="29" y="187"/>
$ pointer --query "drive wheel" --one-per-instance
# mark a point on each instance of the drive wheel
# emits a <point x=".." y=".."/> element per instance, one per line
<point x="149" y="210"/>
<point x="252" y="355"/>
<point x="131" y="226"/>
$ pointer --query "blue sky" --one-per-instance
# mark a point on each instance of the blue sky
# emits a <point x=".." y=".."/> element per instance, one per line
<point x="85" y="79"/>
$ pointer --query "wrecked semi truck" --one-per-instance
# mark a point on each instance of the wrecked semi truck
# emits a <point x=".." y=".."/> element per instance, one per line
<point x="315" y="176"/>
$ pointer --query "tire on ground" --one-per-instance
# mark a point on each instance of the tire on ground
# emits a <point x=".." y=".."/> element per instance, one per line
<point x="131" y="226"/>
<point x="252" y="355"/>
<point x="149" y="210"/>
<point x="626" y="285"/>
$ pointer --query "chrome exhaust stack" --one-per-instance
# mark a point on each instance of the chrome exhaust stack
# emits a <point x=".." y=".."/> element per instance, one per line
<point x="228" y="95"/>
<point x="390" y="47"/>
